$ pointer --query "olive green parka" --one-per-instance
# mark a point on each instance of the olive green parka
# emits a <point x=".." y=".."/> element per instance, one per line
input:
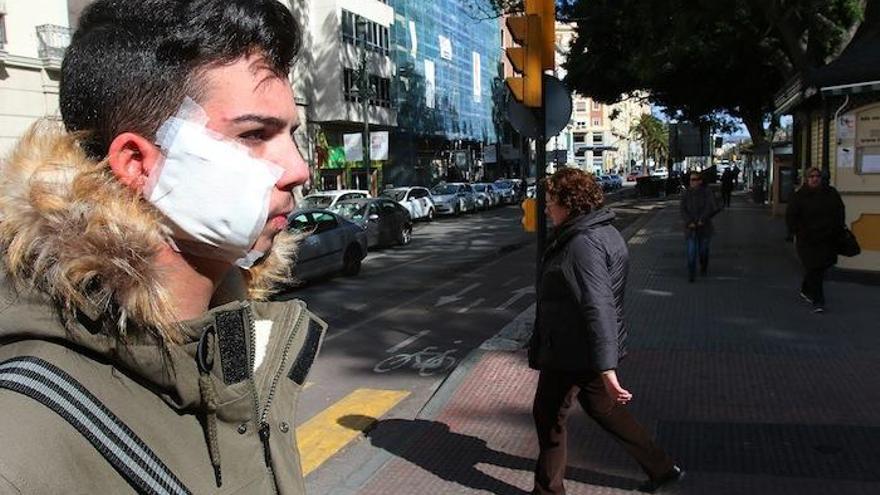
<point x="78" y="289"/>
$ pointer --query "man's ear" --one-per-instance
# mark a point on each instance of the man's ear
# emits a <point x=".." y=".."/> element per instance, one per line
<point x="132" y="159"/>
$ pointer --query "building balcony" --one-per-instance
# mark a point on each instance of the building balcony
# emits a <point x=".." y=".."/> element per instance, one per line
<point x="53" y="41"/>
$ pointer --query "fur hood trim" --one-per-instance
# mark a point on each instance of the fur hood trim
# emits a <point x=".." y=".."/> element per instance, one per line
<point x="68" y="229"/>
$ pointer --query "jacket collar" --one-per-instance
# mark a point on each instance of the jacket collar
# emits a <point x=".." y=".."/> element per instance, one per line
<point x="576" y="225"/>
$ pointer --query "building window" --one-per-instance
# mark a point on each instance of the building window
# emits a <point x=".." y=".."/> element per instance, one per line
<point x="381" y="87"/>
<point x="580" y="106"/>
<point x="598" y="138"/>
<point x="597" y="105"/>
<point x="597" y="122"/>
<point x="2" y="29"/>
<point x="376" y="36"/>
<point x="580" y="138"/>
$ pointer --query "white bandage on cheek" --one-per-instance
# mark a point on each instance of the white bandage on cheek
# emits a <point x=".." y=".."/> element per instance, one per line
<point x="213" y="194"/>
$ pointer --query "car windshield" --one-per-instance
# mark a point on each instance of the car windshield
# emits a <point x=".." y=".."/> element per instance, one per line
<point x="351" y="211"/>
<point x="479" y="187"/>
<point x="395" y="194"/>
<point x="316" y="201"/>
<point x="445" y="189"/>
<point x="504" y="185"/>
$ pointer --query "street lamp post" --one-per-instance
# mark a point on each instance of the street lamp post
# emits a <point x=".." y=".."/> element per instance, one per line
<point x="365" y="93"/>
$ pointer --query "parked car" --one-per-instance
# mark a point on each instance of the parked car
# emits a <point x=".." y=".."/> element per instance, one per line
<point x="632" y="176"/>
<point x="505" y="189"/>
<point x="326" y="199"/>
<point x="417" y="201"/>
<point x="486" y="195"/>
<point x="616" y="181"/>
<point x="332" y="244"/>
<point x="660" y="172"/>
<point x="454" y="198"/>
<point x="385" y="221"/>
<point x="603" y="181"/>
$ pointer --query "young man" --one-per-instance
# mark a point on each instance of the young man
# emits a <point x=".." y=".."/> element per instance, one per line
<point x="697" y="209"/>
<point x="123" y="365"/>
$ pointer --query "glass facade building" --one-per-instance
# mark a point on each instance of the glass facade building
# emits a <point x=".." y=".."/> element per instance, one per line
<point x="447" y="62"/>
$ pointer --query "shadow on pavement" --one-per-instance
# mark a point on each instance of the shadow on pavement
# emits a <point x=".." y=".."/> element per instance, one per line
<point x="454" y="457"/>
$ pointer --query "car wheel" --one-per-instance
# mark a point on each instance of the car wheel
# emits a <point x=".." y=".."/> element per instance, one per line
<point x="430" y="216"/>
<point x="351" y="261"/>
<point x="405" y="235"/>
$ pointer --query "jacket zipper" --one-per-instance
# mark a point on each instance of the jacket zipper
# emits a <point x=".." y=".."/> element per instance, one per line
<point x="260" y="417"/>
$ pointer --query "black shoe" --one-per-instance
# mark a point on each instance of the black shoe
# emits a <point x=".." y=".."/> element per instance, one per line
<point x="668" y="480"/>
<point x="806" y="298"/>
<point x="818" y="308"/>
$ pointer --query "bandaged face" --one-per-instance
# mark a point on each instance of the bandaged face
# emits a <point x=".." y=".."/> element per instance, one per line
<point x="228" y="164"/>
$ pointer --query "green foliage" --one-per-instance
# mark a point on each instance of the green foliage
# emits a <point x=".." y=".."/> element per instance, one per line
<point x="699" y="58"/>
<point x="654" y="137"/>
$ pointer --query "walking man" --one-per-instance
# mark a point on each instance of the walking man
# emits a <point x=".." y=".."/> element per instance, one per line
<point x="697" y="209"/>
<point x="727" y="179"/>
<point x="138" y="242"/>
<point x="816" y="217"/>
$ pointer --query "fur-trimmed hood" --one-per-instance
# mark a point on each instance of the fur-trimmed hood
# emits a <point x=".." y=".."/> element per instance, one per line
<point x="70" y="232"/>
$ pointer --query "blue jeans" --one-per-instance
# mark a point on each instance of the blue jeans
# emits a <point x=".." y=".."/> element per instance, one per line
<point x="697" y="245"/>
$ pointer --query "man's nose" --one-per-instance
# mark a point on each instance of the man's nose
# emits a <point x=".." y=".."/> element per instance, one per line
<point x="296" y="171"/>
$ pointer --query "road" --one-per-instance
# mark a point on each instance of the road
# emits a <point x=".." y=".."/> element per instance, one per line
<point x="398" y="328"/>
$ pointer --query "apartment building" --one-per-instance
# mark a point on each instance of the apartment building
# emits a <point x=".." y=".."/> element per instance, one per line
<point x="598" y="137"/>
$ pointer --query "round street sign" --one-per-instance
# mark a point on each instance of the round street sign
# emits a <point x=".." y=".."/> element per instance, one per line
<point x="557" y="111"/>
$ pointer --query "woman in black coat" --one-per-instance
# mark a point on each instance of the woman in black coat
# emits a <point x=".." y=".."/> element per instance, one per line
<point x="815" y="217"/>
<point x="579" y="336"/>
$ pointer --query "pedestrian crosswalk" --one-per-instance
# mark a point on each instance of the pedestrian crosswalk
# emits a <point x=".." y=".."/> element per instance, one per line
<point x="329" y="431"/>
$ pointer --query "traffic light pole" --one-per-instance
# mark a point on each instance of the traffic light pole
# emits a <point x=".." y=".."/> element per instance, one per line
<point x="540" y="172"/>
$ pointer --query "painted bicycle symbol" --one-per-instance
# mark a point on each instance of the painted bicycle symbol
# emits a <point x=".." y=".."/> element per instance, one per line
<point x="428" y="361"/>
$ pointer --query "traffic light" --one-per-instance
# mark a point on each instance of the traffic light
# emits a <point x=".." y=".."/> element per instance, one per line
<point x="535" y="32"/>
<point x="530" y="215"/>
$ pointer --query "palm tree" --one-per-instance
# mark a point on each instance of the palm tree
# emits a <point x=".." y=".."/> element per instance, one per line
<point x="654" y="136"/>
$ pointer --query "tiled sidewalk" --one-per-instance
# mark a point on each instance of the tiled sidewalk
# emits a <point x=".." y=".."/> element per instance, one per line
<point x="749" y="390"/>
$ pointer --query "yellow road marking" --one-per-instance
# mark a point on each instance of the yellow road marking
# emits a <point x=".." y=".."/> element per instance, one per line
<point x="332" y="429"/>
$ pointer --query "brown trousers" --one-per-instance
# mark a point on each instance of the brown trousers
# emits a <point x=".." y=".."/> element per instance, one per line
<point x="553" y="399"/>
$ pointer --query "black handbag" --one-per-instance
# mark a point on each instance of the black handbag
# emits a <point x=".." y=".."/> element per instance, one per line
<point x="847" y="244"/>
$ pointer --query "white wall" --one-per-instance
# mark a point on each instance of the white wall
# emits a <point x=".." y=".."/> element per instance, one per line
<point x="28" y="91"/>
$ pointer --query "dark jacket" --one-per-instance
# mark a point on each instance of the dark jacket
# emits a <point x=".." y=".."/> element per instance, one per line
<point x="816" y="217"/>
<point x="579" y="322"/>
<point x="698" y="205"/>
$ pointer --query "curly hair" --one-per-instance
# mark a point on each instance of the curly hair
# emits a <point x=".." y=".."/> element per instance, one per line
<point x="575" y="190"/>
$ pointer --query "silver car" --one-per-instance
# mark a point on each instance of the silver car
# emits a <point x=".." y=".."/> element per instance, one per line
<point x="454" y="198"/>
<point x="332" y="244"/>
<point x="486" y="195"/>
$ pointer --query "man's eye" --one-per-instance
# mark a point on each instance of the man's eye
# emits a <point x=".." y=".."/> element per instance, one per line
<point x="253" y="136"/>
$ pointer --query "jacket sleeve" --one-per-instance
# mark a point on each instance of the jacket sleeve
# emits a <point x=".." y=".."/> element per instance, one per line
<point x="590" y="282"/>
<point x="793" y="214"/>
<point x="841" y="209"/>
<point x="711" y="206"/>
<point x="685" y="214"/>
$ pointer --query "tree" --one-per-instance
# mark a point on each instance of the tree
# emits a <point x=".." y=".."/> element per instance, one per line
<point x="654" y="136"/>
<point x="702" y="58"/>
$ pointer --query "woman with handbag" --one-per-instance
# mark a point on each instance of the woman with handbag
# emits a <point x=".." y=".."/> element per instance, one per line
<point x="579" y="337"/>
<point x="816" y="218"/>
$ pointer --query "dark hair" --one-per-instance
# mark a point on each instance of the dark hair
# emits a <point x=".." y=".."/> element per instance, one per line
<point x="575" y="190"/>
<point x="131" y="62"/>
